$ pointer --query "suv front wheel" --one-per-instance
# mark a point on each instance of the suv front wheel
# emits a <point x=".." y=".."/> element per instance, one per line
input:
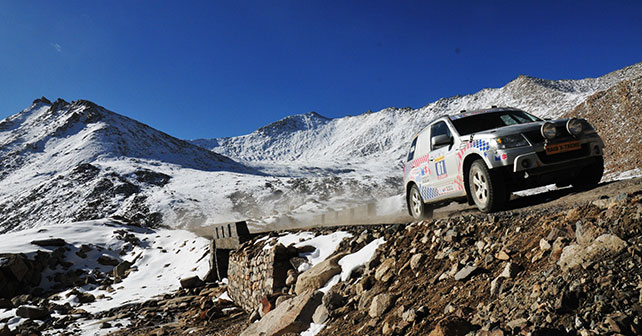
<point x="416" y="206"/>
<point x="486" y="188"/>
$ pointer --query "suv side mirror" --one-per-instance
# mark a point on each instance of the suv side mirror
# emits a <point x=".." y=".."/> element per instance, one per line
<point x="441" y="140"/>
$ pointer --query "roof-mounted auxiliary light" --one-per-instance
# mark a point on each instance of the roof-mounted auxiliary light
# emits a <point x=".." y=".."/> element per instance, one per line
<point x="549" y="131"/>
<point x="574" y="127"/>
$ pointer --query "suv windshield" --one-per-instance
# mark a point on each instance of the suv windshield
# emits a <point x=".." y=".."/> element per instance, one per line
<point x="485" y="121"/>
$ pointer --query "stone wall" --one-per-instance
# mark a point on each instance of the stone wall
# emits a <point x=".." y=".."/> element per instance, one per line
<point x="254" y="273"/>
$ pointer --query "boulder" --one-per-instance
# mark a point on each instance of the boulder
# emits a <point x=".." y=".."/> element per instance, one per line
<point x="119" y="270"/>
<point x="502" y="255"/>
<point x="317" y="276"/>
<point x="510" y="270"/>
<point x="380" y="304"/>
<point x="291" y="279"/>
<point x="291" y="316"/>
<point x="544" y="245"/>
<point x="192" y="282"/>
<point x="20" y="300"/>
<point x="386" y="270"/>
<point x="333" y="300"/>
<point x="496" y="285"/>
<point x="320" y="315"/>
<point x="576" y="254"/>
<point x="31" y="312"/>
<point x="409" y="315"/>
<point x="107" y="260"/>
<point x="466" y="273"/>
<point x="86" y="297"/>
<point x="417" y="260"/>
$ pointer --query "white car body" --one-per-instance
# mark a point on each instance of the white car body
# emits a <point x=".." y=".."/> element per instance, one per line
<point x="441" y="172"/>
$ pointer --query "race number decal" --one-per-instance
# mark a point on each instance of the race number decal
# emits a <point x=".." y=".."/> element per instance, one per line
<point x="440" y="168"/>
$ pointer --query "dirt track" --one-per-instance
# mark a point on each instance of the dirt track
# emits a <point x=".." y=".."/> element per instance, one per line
<point x="553" y="199"/>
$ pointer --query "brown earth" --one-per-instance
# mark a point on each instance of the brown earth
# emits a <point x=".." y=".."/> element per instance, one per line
<point x="616" y="114"/>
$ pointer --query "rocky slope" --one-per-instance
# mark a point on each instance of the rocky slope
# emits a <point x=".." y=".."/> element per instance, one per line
<point x="616" y="114"/>
<point x="555" y="268"/>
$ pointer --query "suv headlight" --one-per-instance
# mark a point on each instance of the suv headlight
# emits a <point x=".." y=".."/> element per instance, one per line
<point x="511" y="141"/>
<point x="574" y="127"/>
<point x="549" y="131"/>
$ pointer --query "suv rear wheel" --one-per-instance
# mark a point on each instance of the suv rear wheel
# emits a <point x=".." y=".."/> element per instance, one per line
<point x="416" y="206"/>
<point x="486" y="188"/>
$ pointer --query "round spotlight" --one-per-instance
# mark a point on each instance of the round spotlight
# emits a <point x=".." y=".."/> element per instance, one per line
<point x="549" y="131"/>
<point x="526" y="163"/>
<point x="574" y="127"/>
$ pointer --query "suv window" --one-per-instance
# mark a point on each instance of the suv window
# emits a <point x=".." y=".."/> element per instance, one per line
<point x="485" y="121"/>
<point x="411" y="153"/>
<point x="439" y="128"/>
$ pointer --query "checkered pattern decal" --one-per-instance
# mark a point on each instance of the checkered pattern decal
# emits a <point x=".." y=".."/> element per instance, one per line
<point x="482" y="145"/>
<point x="418" y="161"/>
<point x="428" y="193"/>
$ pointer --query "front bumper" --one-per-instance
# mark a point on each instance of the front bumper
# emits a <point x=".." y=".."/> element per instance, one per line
<point x="539" y="161"/>
<point x="534" y="160"/>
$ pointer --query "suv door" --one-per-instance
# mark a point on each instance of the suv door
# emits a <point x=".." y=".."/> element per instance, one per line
<point x="443" y="160"/>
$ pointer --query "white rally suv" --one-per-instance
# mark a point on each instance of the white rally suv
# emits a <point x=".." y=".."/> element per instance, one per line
<point x="482" y="156"/>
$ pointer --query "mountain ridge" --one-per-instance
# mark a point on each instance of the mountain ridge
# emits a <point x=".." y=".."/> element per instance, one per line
<point x="75" y="161"/>
<point x="383" y="134"/>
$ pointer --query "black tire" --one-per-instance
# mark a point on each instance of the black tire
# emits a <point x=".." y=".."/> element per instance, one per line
<point x="417" y="208"/>
<point x="487" y="189"/>
<point x="590" y="176"/>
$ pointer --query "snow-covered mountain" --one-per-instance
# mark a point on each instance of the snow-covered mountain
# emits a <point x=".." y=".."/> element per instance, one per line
<point x="375" y="142"/>
<point x="64" y="162"/>
<point x="76" y="161"/>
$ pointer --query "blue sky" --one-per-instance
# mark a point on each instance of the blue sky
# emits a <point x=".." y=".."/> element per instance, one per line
<point x="223" y="68"/>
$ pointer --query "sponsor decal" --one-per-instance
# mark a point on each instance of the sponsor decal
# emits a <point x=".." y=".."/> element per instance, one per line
<point x="440" y="169"/>
<point x="446" y="189"/>
<point x="425" y="171"/>
<point x="501" y="157"/>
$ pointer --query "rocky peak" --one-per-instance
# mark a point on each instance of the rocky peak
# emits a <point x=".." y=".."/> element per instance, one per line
<point x="59" y="104"/>
<point x="42" y="100"/>
<point x="293" y="123"/>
